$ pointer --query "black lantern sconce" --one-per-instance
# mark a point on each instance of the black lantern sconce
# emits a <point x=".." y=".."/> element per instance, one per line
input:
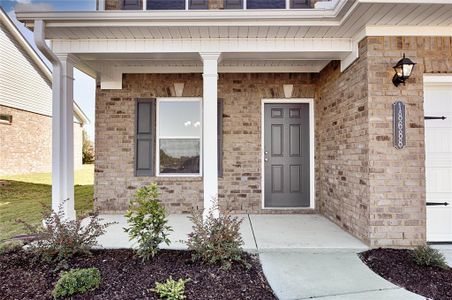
<point x="403" y="70"/>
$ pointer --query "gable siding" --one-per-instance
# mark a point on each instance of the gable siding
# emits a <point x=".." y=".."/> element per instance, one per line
<point x="22" y="84"/>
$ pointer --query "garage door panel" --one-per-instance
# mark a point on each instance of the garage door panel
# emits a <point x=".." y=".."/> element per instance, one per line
<point x="438" y="163"/>
<point x="444" y="124"/>
<point x="439" y="231"/>
<point x="438" y="141"/>
<point x="437" y="96"/>
<point x="438" y="179"/>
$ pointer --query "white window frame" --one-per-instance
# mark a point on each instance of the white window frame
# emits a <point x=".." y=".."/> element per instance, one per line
<point x="158" y="137"/>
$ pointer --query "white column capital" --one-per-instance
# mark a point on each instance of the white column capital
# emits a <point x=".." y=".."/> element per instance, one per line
<point x="67" y="58"/>
<point x="210" y="56"/>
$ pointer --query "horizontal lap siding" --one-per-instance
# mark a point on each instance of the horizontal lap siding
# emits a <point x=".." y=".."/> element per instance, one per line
<point x="21" y="83"/>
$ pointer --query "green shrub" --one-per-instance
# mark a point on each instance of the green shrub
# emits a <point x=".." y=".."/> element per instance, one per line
<point x="425" y="256"/>
<point x="216" y="240"/>
<point x="10" y="246"/>
<point x="171" y="289"/>
<point x="76" y="281"/>
<point x="147" y="222"/>
<point x="61" y="238"/>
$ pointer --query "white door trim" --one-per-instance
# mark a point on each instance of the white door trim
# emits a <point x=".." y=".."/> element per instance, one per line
<point x="310" y="101"/>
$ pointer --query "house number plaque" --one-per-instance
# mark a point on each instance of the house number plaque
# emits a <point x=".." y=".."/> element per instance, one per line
<point x="399" y="115"/>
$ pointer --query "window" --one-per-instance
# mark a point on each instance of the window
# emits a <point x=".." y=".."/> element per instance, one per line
<point x="165" y="4"/>
<point x="6" y="119"/>
<point x="266" y="4"/>
<point x="179" y="136"/>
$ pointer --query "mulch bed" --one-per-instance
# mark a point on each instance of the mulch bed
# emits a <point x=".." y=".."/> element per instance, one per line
<point x="126" y="277"/>
<point x="398" y="267"/>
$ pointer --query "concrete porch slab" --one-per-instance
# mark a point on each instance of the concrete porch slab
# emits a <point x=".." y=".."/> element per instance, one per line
<point x="326" y="275"/>
<point x="301" y="232"/>
<point x="115" y="237"/>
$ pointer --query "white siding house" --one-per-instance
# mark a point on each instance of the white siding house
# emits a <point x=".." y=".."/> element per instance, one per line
<point x="26" y="106"/>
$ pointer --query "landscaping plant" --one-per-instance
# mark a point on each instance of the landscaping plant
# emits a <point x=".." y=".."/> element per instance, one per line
<point x="216" y="240"/>
<point x="76" y="281"/>
<point x="171" y="289"/>
<point x="147" y="222"/>
<point x="61" y="238"/>
<point x="426" y="256"/>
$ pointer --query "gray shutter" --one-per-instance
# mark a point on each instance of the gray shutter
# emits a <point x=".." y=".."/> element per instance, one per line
<point x="220" y="137"/>
<point x="144" y="137"/>
<point x="198" y="4"/>
<point x="299" y="4"/>
<point x="131" y="4"/>
<point x="233" y="4"/>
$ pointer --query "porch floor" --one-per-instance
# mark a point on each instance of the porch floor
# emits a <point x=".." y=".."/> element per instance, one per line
<point x="261" y="233"/>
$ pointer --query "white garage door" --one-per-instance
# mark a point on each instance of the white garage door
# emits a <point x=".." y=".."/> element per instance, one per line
<point x="438" y="150"/>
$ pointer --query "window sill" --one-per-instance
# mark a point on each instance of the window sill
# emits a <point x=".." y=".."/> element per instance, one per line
<point x="196" y="178"/>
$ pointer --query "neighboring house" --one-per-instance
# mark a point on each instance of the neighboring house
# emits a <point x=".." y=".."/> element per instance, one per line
<point x="26" y="107"/>
<point x="271" y="106"/>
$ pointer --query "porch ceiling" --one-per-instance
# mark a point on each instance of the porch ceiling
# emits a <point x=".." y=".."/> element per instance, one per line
<point x="109" y="67"/>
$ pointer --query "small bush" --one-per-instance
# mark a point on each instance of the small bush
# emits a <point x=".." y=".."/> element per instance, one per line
<point x="10" y="246"/>
<point x="76" y="281"/>
<point x="216" y="240"/>
<point x="171" y="289"/>
<point x="425" y="256"/>
<point x="147" y="222"/>
<point x="60" y="238"/>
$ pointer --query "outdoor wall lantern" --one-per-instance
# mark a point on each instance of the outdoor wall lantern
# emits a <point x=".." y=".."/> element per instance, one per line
<point x="403" y="70"/>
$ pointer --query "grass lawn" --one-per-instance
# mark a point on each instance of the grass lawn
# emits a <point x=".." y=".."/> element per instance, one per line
<point x="22" y="195"/>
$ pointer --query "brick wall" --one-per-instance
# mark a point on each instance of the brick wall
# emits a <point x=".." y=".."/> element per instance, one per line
<point x="397" y="177"/>
<point x="367" y="186"/>
<point x="363" y="183"/>
<point x="342" y="145"/>
<point x="240" y="186"/>
<point x="26" y="144"/>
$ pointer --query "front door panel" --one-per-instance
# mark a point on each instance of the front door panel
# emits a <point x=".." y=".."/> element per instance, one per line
<point x="286" y="155"/>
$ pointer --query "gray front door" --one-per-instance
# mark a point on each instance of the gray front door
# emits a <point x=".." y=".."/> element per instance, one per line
<point x="286" y="155"/>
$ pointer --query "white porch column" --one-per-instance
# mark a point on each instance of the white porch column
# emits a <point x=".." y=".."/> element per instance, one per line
<point x="209" y="121"/>
<point x="63" y="136"/>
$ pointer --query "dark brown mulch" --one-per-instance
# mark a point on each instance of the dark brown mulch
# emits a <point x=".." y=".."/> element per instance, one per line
<point x="126" y="277"/>
<point x="397" y="266"/>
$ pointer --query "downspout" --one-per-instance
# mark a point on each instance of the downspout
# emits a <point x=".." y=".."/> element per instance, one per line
<point x="39" y="38"/>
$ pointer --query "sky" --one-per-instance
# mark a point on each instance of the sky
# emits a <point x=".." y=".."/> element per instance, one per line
<point x="84" y="85"/>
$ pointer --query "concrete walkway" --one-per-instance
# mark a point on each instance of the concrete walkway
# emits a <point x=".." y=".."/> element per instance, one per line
<point x="303" y="256"/>
<point x="326" y="275"/>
